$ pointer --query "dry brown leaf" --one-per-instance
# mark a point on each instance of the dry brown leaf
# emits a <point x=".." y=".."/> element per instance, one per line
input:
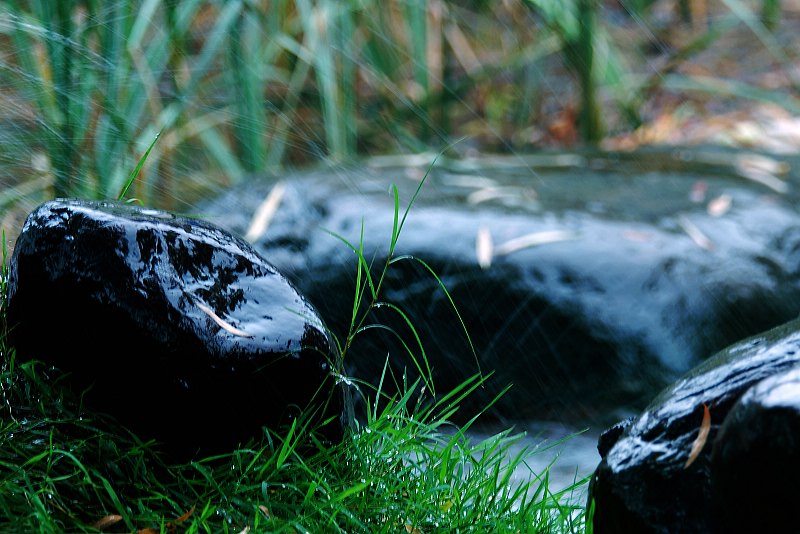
<point x="505" y="194"/>
<point x="484" y="247"/>
<point x="187" y="515"/>
<point x="469" y="181"/>
<point x="171" y="526"/>
<point x="413" y="530"/>
<point x="702" y="437"/>
<point x="720" y="205"/>
<point x="434" y="53"/>
<point x="265" y="213"/>
<point x="459" y="44"/>
<point x="486" y="194"/>
<point x="245" y="530"/>
<point x="564" y="127"/>
<point x="698" y="192"/>
<point x="762" y="170"/>
<point x="763" y="163"/>
<point x="636" y="235"/>
<point x="695" y="234"/>
<point x="107" y="521"/>
<point x="225" y="326"/>
<point x="264" y="509"/>
<point x="532" y="240"/>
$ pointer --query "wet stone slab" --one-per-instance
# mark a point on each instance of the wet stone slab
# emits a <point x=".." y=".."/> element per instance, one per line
<point x="588" y="281"/>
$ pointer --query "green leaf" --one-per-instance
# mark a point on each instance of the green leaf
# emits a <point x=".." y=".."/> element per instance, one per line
<point x="449" y="298"/>
<point x="132" y="176"/>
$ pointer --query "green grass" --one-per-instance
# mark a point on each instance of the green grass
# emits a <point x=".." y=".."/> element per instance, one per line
<point x="65" y="471"/>
<point x="404" y="468"/>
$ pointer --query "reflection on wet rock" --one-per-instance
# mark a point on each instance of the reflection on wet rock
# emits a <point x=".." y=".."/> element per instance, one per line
<point x="179" y="329"/>
<point x="755" y="464"/>
<point x="656" y="477"/>
<point x="589" y="285"/>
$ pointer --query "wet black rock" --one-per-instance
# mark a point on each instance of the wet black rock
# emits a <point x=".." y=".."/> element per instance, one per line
<point x="755" y="464"/>
<point x="643" y="483"/>
<point x="638" y="283"/>
<point x="609" y="437"/>
<point x="180" y="330"/>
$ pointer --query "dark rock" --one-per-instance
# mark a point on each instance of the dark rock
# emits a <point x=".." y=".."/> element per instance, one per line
<point x="642" y="483"/>
<point x="581" y="326"/>
<point x="611" y="435"/>
<point x="755" y="464"/>
<point x="180" y="330"/>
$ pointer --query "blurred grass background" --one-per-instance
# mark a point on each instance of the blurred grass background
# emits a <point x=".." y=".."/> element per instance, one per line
<point x="239" y="87"/>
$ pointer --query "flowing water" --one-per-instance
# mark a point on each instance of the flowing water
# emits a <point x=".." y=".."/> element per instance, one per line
<point x="567" y="454"/>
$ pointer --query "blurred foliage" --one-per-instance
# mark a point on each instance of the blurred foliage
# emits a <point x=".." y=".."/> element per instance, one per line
<point x="245" y="86"/>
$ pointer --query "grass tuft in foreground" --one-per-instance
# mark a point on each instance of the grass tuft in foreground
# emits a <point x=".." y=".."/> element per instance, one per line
<point x="405" y="468"/>
<point x="66" y="470"/>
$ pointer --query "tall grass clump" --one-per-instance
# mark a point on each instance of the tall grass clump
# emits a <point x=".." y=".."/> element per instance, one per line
<point x="404" y="468"/>
<point x="236" y="87"/>
<point x="240" y="87"/>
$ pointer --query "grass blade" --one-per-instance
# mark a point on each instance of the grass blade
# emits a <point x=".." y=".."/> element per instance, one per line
<point x="132" y="176"/>
<point x="432" y="272"/>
